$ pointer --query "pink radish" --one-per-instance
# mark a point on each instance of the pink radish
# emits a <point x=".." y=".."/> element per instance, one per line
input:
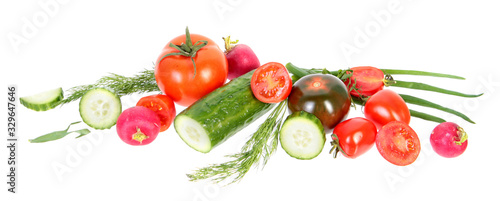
<point x="240" y="58"/>
<point x="138" y="125"/>
<point x="449" y="140"/>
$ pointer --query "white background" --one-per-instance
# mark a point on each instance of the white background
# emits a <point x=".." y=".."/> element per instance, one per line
<point x="77" y="42"/>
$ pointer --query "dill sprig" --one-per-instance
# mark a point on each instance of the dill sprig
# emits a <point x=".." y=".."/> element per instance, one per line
<point x="141" y="82"/>
<point x="256" y="151"/>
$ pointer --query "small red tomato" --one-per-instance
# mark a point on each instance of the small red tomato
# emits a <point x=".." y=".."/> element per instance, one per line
<point x="353" y="137"/>
<point x="369" y="80"/>
<point x="398" y="143"/>
<point x="449" y="140"/>
<point x="163" y="106"/>
<point x="271" y="83"/>
<point x="386" y="106"/>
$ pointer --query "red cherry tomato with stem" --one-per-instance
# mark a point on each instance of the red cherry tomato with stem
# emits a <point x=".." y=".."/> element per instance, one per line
<point x="353" y="137"/>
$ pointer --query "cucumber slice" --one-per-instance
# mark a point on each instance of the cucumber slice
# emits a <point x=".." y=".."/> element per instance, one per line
<point x="100" y="108"/>
<point x="193" y="134"/>
<point x="302" y="135"/>
<point x="43" y="101"/>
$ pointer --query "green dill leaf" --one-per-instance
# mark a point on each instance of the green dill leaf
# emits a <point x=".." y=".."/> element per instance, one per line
<point x="142" y="82"/>
<point x="256" y="151"/>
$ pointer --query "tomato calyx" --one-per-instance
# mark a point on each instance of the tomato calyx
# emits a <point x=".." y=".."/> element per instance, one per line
<point x="187" y="49"/>
<point x="228" y="44"/>
<point x="336" y="148"/>
<point x="462" y="136"/>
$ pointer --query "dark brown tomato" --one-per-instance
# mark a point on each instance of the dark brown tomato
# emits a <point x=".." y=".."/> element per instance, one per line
<point x="323" y="95"/>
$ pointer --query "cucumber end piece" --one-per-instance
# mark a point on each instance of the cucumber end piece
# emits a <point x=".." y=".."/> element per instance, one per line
<point x="302" y="136"/>
<point x="192" y="133"/>
<point x="43" y="101"/>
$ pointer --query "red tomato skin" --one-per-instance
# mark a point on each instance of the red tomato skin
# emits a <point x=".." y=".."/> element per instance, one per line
<point x="398" y="143"/>
<point x="369" y="80"/>
<point x="356" y="136"/>
<point x="175" y="74"/>
<point x="270" y="74"/>
<point x="386" y="106"/>
<point x="163" y="106"/>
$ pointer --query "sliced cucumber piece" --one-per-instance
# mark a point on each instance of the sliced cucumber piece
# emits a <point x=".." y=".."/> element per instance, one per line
<point x="100" y="108"/>
<point x="302" y="135"/>
<point x="43" y="101"/>
<point x="193" y="133"/>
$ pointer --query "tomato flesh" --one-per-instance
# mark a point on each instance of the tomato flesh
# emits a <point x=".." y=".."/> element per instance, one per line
<point x="163" y="106"/>
<point x="271" y="83"/>
<point x="355" y="136"/>
<point x="323" y="95"/>
<point x="398" y="143"/>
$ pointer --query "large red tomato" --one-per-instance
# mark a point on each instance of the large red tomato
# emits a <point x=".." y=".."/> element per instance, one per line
<point x="180" y="79"/>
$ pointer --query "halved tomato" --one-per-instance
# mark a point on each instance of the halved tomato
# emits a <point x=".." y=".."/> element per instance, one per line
<point x="398" y="143"/>
<point x="271" y="83"/>
<point x="163" y="106"/>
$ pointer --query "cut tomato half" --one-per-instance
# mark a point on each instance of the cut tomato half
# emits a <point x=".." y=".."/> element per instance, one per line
<point x="398" y="143"/>
<point x="163" y="106"/>
<point x="271" y="83"/>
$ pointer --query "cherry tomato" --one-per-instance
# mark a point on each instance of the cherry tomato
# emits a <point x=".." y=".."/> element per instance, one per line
<point x="176" y="75"/>
<point x="271" y="83"/>
<point x="386" y="106"/>
<point x="354" y="137"/>
<point x="323" y="95"/>
<point x="369" y="80"/>
<point x="163" y="106"/>
<point x="398" y="143"/>
<point x="449" y="140"/>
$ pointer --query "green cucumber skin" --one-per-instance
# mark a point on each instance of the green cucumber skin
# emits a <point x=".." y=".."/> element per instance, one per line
<point x="227" y="110"/>
<point x="43" y="107"/>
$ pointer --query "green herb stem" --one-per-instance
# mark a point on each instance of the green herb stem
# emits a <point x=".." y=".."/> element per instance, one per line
<point x="422" y="73"/>
<point x="426" y="116"/>
<point x="426" y="87"/>
<point x="425" y="103"/>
